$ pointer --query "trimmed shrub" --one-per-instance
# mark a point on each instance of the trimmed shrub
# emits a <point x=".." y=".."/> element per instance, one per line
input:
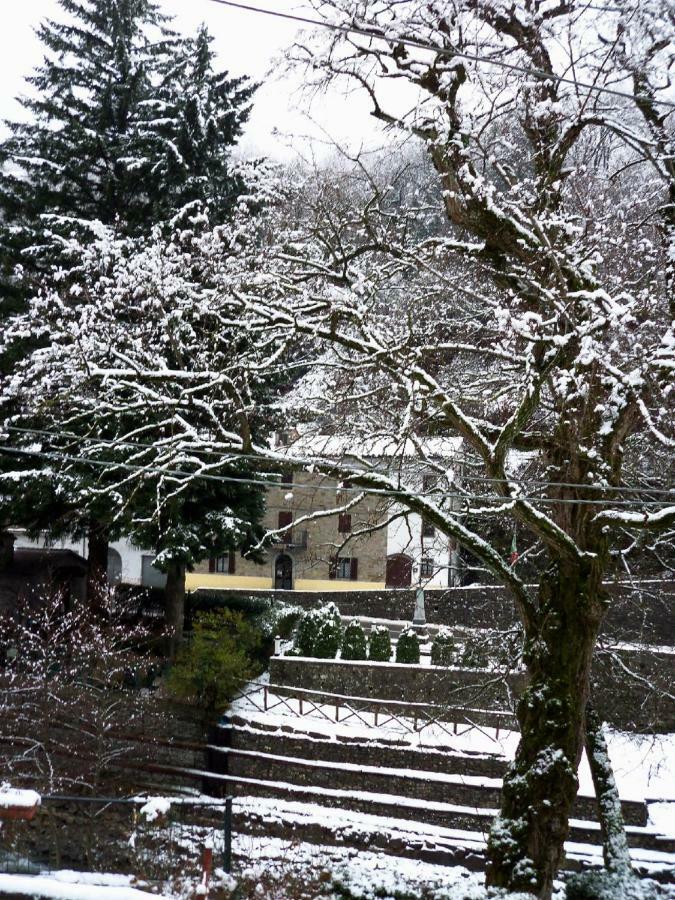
<point x="443" y="648"/>
<point x="319" y="632"/>
<point x="354" y="642"/>
<point x="379" y="644"/>
<point x="408" y="647"/>
<point x="329" y="638"/>
<point x="475" y="654"/>
<point x="279" y="620"/>
<point x="308" y="629"/>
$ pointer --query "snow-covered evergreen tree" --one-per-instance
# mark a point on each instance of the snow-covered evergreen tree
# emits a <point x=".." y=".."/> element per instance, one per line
<point x="200" y="113"/>
<point x="89" y="148"/>
<point x="408" y="647"/>
<point x="127" y="123"/>
<point x="354" y="642"/>
<point x="443" y="648"/>
<point x="379" y="644"/>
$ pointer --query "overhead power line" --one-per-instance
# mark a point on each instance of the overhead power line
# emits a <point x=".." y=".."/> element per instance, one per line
<point x="364" y="31"/>
<point x="457" y="455"/>
<point x="261" y="482"/>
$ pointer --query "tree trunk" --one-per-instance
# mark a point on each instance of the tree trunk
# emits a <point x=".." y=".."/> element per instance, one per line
<point x="97" y="574"/>
<point x="525" y="847"/>
<point x="175" y="605"/>
<point x="614" y="842"/>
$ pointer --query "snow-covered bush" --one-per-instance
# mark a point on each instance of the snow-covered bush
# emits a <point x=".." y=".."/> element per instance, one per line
<point x="443" y="648"/>
<point x="475" y="654"/>
<point x="329" y="636"/>
<point x="305" y="637"/>
<point x="59" y="666"/>
<point x="379" y="644"/>
<point x="604" y="885"/>
<point x="278" y="621"/>
<point x="354" y="642"/>
<point x="408" y="647"/>
<point x="318" y="632"/>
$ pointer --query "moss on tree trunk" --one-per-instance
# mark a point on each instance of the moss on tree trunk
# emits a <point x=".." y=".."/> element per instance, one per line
<point x="525" y="847"/>
<point x="614" y="841"/>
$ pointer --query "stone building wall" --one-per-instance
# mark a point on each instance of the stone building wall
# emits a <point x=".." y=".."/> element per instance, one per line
<point x="312" y="543"/>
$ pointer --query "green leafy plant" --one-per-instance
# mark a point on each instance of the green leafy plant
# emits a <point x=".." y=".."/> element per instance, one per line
<point x="354" y="642"/>
<point x="443" y="648"/>
<point x="216" y="659"/>
<point x="379" y="644"/>
<point x="408" y="647"/>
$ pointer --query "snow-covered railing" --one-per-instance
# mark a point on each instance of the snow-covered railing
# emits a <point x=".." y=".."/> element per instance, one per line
<point x="371" y="712"/>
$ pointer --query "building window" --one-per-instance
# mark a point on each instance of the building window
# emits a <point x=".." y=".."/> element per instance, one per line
<point x="285" y="519"/>
<point x="345" y="568"/>
<point x="223" y="565"/>
<point x="287" y="476"/>
<point x="344" y="523"/>
<point x="342" y="491"/>
<point x="428" y="529"/>
<point x="426" y="567"/>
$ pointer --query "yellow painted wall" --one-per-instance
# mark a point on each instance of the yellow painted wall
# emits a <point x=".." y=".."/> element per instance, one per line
<point x="194" y="580"/>
<point x="337" y="584"/>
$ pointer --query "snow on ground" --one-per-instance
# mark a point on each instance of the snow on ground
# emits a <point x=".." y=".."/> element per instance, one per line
<point x="321" y="719"/>
<point x="644" y="765"/>
<point x="366" y="874"/>
<point x="264" y="865"/>
<point x="68" y="885"/>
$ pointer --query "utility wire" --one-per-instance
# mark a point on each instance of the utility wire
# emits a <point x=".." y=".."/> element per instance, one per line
<point x="532" y="483"/>
<point x="363" y="31"/>
<point x="386" y="492"/>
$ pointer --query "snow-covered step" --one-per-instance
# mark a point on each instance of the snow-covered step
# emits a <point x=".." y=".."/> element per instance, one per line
<point x="316" y="823"/>
<point x="429" y="812"/>
<point x="241" y="735"/>
<point x="454" y="788"/>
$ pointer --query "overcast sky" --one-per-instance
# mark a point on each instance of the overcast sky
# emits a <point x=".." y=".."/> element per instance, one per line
<point x="246" y="43"/>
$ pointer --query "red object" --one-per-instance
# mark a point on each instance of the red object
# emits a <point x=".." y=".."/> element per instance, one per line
<point x="207" y="865"/>
<point x="17" y="812"/>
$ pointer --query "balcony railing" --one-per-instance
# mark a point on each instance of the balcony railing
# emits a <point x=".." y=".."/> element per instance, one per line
<point x="293" y="540"/>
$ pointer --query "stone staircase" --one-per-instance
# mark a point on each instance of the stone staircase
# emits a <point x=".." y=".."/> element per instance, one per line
<point x="296" y="780"/>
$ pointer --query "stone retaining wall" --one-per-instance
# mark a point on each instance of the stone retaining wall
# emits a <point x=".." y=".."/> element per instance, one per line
<point x="641" y="613"/>
<point x="355" y="753"/>
<point x="638" y="702"/>
<point x="394" y="681"/>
